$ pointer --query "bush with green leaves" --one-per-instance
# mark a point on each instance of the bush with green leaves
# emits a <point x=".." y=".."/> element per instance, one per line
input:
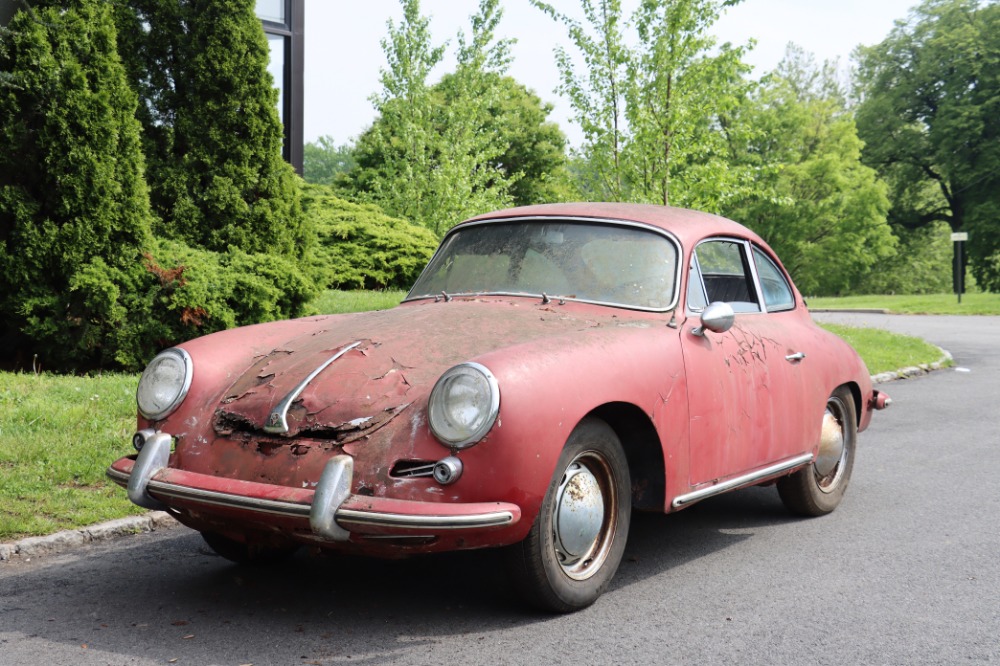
<point x="74" y="210"/>
<point x="195" y="291"/>
<point x="360" y="247"/>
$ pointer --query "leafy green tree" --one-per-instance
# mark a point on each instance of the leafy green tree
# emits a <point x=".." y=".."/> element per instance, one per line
<point x="323" y="161"/>
<point x="74" y="209"/>
<point x="425" y="161"/>
<point x="930" y="119"/>
<point x="816" y="204"/>
<point x="212" y="136"/>
<point x="657" y="109"/>
<point x="597" y="95"/>
<point x="534" y="146"/>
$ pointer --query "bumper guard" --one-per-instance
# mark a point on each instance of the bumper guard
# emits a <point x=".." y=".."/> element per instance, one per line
<point x="332" y="512"/>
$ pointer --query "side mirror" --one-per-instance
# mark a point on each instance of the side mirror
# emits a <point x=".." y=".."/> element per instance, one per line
<point x="718" y="317"/>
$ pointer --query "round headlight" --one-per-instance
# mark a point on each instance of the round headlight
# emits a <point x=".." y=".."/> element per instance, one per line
<point x="164" y="384"/>
<point x="463" y="405"/>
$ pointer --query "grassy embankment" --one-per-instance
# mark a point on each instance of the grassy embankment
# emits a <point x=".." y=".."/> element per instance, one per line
<point x="58" y="434"/>
<point x="972" y="304"/>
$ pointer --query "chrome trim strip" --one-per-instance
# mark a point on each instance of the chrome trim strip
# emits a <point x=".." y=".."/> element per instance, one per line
<point x="228" y="500"/>
<point x="277" y="420"/>
<point x="121" y="478"/>
<point x="344" y="516"/>
<point x="557" y="218"/>
<point x="355" y="517"/>
<point x="745" y="480"/>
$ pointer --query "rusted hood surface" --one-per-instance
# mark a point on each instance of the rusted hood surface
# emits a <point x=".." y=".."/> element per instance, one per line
<point x="402" y="352"/>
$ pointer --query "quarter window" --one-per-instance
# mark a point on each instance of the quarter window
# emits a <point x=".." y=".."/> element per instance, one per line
<point x="777" y="294"/>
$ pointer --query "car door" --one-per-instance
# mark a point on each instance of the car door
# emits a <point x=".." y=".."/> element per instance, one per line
<point x="739" y="386"/>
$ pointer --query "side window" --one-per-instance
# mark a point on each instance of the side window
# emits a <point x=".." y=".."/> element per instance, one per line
<point x="725" y="271"/>
<point x="696" y="299"/>
<point x="777" y="294"/>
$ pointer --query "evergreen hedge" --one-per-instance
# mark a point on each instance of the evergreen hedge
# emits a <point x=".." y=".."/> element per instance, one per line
<point x="74" y="211"/>
<point x="360" y="247"/>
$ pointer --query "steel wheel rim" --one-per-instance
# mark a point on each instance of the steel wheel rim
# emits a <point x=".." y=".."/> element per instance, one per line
<point x="834" y="418"/>
<point x="581" y="553"/>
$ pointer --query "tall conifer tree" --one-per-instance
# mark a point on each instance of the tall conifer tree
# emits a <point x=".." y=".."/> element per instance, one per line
<point x="211" y="128"/>
<point x="74" y="210"/>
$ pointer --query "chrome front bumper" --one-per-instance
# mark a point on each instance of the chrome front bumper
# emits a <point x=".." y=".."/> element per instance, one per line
<point x="332" y="511"/>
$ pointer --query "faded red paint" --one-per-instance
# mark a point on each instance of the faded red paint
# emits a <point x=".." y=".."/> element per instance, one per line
<point x="720" y="405"/>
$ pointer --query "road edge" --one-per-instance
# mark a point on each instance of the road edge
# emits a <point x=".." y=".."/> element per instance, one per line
<point x="60" y="542"/>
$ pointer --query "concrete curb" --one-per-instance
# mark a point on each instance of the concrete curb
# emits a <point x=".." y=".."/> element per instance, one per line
<point x="852" y="310"/>
<point x="916" y="370"/>
<point x="154" y="520"/>
<point x="70" y="539"/>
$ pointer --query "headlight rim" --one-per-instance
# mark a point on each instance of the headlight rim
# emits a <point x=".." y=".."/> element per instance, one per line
<point x="493" y="410"/>
<point x="188" y="363"/>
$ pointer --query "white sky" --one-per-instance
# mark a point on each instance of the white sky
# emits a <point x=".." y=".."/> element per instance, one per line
<point x="343" y="55"/>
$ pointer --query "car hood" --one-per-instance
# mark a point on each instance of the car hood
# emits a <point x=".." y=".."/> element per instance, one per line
<point x="399" y="355"/>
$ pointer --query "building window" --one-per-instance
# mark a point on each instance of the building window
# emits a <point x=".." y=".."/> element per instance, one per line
<point x="283" y="22"/>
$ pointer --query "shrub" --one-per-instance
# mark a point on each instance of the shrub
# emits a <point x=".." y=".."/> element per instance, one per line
<point x="74" y="210"/>
<point x="360" y="247"/>
<point x="195" y="292"/>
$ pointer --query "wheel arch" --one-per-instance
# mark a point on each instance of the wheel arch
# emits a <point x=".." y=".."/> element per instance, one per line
<point x="643" y="451"/>
<point x="856" y="394"/>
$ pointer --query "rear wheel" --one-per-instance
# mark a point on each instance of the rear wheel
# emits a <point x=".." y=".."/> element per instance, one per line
<point x="254" y="554"/>
<point x="577" y="540"/>
<point x="817" y="489"/>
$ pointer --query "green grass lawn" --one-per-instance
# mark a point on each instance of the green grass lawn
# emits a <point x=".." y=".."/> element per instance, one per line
<point x="58" y="434"/>
<point x="972" y="304"/>
<point x="883" y="351"/>
<point x="337" y="302"/>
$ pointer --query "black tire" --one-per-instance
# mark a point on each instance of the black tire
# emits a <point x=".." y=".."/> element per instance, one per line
<point x="566" y="570"/>
<point x="817" y="489"/>
<point x="250" y="554"/>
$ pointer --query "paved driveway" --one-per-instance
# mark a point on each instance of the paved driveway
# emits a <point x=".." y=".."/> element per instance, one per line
<point x="906" y="571"/>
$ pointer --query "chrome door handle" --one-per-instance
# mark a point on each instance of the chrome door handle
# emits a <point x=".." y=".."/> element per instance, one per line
<point x="793" y="358"/>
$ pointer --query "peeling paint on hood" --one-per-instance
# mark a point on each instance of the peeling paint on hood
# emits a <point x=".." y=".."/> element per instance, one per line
<point x="402" y="352"/>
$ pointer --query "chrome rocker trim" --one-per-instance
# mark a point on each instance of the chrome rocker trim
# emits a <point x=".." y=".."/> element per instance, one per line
<point x="740" y="481"/>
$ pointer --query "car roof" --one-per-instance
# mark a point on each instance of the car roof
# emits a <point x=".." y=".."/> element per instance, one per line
<point x="689" y="226"/>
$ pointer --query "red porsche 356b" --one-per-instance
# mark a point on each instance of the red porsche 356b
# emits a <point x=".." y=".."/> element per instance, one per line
<point x="552" y="368"/>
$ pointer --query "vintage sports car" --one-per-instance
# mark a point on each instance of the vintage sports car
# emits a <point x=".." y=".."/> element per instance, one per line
<point x="552" y="368"/>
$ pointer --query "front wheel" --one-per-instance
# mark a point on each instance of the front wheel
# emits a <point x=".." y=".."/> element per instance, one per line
<point x="817" y="489"/>
<point x="578" y="538"/>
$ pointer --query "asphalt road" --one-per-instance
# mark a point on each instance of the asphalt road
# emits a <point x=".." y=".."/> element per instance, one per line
<point x="906" y="571"/>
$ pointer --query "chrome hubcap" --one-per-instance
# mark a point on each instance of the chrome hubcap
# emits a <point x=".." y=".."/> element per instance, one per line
<point x="584" y="516"/>
<point x="833" y="447"/>
<point x="579" y="514"/>
<point x="831" y="444"/>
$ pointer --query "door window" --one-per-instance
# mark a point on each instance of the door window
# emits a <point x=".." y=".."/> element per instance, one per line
<point x="726" y="274"/>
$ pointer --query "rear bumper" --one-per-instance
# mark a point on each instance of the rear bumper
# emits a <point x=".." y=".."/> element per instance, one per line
<point x="331" y="512"/>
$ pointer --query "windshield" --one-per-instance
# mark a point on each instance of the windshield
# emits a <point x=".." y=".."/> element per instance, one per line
<point x="601" y="263"/>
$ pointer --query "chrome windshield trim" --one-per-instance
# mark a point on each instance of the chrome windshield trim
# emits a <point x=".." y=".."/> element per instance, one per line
<point x="277" y="420"/>
<point x="675" y="296"/>
<point x="740" y="481"/>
